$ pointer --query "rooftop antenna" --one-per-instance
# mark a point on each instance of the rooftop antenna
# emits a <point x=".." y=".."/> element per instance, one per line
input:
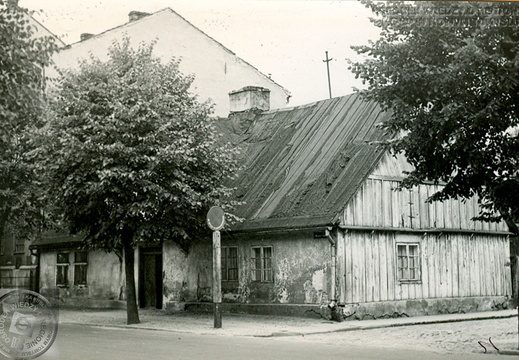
<point x="328" y="71"/>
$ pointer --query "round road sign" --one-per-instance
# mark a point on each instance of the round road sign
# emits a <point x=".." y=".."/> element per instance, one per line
<point x="215" y="218"/>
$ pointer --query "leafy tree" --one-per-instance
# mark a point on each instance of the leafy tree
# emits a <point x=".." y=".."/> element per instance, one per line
<point x="449" y="73"/>
<point x="131" y="155"/>
<point x="23" y="55"/>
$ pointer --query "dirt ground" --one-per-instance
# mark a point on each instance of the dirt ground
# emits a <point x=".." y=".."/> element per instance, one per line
<point x="457" y="337"/>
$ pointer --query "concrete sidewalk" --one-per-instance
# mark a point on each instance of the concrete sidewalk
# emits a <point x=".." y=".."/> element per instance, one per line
<point x="255" y="325"/>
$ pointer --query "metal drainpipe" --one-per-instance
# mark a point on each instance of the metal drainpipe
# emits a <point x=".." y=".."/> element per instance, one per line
<point x="334" y="266"/>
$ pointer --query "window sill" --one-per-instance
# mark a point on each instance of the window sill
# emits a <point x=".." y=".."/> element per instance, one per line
<point x="406" y="282"/>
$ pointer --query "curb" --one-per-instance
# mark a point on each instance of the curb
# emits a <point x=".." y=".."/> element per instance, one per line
<point x="509" y="352"/>
<point x="289" y="333"/>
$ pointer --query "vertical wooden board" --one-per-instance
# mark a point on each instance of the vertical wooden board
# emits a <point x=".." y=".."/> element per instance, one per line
<point x="424" y="266"/>
<point x="367" y="203"/>
<point x="387" y="204"/>
<point x="448" y="264"/>
<point x="472" y="277"/>
<point x="484" y="263"/>
<point x="419" y="208"/>
<point x="376" y="266"/>
<point x="488" y="269"/>
<point x="507" y="270"/>
<point x="440" y="211"/>
<point x="505" y="266"/>
<point x="362" y="255"/>
<point x="455" y="267"/>
<point x="382" y="239"/>
<point x="432" y="208"/>
<point x="470" y="205"/>
<point x="477" y="263"/>
<point x="445" y="268"/>
<point x="391" y="265"/>
<point x="431" y="252"/>
<point x="440" y="270"/>
<point x="465" y="222"/>
<point x="447" y="208"/>
<point x="406" y="207"/>
<point x="348" y="268"/>
<point x="368" y="266"/>
<point x="455" y="213"/>
<point x="494" y="269"/>
<point x="396" y="207"/>
<point x="357" y="295"/>
<point x="423" y="208"/>
<point x="437" y="265"/>
<point x="381" y="208"/>
<point x="494" y="263"/>
<point x="500" y="259"/>
<point x="464" y="273"/>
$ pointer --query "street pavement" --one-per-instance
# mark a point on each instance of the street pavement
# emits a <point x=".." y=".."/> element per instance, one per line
<point x="80" y="342"/>
<point x="443" y="334"/>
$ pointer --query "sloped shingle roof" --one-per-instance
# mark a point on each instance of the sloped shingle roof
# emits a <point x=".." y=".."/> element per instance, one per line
<point x="303" y="164"/>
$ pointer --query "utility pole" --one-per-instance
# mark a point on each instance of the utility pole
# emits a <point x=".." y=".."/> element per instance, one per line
<point x="328" y="71"/>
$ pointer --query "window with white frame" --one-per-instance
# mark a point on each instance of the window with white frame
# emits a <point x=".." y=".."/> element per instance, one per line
<point x="262" y="264"/>
<point x="408" y="261"/>
<point x="80" y="268"/>
<point x="62" y="265"/>
<point x="229" y="263"/>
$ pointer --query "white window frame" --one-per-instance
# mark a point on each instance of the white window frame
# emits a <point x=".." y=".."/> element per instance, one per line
<point x="266" y="265"/>
<point x="63" y="267"/>
<point x="409" y="263"/>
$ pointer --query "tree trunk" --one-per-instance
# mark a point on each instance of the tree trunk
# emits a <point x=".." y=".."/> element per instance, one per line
<point x="132" y="312"/>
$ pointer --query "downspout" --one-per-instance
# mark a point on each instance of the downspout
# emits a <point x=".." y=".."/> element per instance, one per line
<point x="333" y="244"/>
<point x="336" y="312"/>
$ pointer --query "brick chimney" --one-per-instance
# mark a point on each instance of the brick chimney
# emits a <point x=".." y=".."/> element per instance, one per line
<point x="85" y="36"/>
<point x="136" y="15"/>
<point x="249" y="97"/>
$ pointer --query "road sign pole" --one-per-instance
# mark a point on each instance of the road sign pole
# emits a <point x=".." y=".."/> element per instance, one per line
<point x="216" y="222"/>
<point x="217" y="277"/>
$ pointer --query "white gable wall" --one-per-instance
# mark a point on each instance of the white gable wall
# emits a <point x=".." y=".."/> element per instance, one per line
<point x="217" y="70"/>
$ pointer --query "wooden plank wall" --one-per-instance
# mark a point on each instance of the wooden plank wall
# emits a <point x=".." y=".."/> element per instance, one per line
<point x="452" y="265"/>
<point x="378" y="203"/>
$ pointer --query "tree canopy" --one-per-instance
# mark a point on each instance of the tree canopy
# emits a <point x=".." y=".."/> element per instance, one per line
<point x="130" y="154"/>
<point x="449" y="73"/>
<point x="23" y="55"/>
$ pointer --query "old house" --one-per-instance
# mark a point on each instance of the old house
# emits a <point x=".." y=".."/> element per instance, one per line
<point x="217" y="69"/>
<point x="323" y="222"/>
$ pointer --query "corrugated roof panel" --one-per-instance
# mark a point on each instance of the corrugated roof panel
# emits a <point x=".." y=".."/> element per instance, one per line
<point x="307" y="162"/>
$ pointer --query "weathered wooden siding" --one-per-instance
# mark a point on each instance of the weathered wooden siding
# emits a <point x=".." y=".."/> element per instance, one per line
<point x="451" y="265"/>
<point x="380" y="204"/>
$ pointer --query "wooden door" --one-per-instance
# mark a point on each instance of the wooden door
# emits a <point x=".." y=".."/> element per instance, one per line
<point x="150" y="289"/>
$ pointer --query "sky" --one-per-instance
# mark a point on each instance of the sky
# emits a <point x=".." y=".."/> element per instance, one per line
<point x="286" y="39"/>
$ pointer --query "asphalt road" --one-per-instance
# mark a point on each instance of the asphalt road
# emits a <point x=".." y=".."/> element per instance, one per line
<point x="83" y="342"/>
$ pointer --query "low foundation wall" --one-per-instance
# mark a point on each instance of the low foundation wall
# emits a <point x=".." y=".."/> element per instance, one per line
<point x="363" y="311"/>
<point x="408" y="308"/>
<point x="84" y="303"/>
<point x="303" y="310"/>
